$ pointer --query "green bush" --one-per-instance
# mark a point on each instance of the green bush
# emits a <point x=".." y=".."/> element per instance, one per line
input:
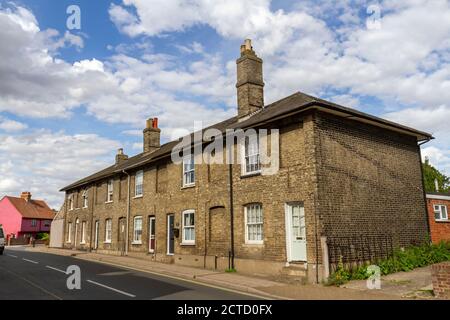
<point x="42" y="236"/>
<point x="340" y="276"/>
<point x="402" y="260"/>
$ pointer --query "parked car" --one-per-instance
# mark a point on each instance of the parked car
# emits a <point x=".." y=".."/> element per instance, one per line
<point x="2" y="240"/>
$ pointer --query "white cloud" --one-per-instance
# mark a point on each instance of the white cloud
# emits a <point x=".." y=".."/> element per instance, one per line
<point x="11" y="125"/>
<point x="42" y="162"/>
<point x="34" y="83"/>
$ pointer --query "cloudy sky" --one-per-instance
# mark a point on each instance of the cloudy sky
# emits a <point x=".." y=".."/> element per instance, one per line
<point x="70" y="97"/>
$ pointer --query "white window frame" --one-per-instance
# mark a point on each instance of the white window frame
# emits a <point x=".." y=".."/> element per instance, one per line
<point x="83" y="232"/>
<point x="69" y="232"/>
<point x="184" y="227"/>
<point x="191" y="170"/>
<point x="247" y="224"/>
<point x="71" y="202"/>
<point x="245" y="155"/>
<point x="33" y="222"/>
<point x="109" y="191"/>
<point x="137" y="238"/>
<point x="150" y="236"/>
<point x="139" y="182"/>
<point x="85" y="199"/>
<point x="108" y="230"/>
<point x="440" y="209"/>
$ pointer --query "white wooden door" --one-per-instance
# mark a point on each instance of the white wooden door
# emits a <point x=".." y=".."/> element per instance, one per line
<point x="295" y="232"/>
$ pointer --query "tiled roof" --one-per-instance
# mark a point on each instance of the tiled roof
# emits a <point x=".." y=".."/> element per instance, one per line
<point x="34" y="209"/>
<point x="295" y="103"/>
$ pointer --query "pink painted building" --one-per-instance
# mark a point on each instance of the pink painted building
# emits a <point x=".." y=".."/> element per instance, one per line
<point x="24" y="217"/>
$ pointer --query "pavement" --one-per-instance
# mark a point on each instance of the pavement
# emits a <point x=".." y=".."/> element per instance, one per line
<point x="414" y="284"/>
<point x="221" y="285"/>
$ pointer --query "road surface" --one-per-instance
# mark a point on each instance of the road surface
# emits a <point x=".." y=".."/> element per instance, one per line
<point x="34" y="275"/>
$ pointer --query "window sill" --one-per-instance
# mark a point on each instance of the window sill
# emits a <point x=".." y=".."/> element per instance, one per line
<point x="108" y="201"/>
<point x="107" y="242"/>
<point x="442" y="220"/>
<point x="255" y="243"/>
<point x="188" y="186"/>
<point x="85" y="207"/>
<point x="136" y="242"/>
<point x="138" y="197"/>
<point x="187" y="244"/>
<point x="250" y="174"/>
<point x="83" y="242"/>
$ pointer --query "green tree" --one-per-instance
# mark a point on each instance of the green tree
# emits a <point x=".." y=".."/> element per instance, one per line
<point x="431" y="174"/>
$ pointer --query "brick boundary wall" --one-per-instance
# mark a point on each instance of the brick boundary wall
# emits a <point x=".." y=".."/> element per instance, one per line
<point x="440" y="274"/>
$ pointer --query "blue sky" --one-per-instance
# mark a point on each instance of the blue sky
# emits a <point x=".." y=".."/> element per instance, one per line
<point x="70" y="98"/>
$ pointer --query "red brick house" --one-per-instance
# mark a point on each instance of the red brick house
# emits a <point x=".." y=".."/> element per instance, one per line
<point x="438" y="204"/>
<point x="24" y="217"/>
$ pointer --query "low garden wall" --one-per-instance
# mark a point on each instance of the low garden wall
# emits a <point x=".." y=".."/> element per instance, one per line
<point x="440" y="274"/>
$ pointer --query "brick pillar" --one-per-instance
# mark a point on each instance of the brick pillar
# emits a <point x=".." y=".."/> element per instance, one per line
<point x="440" y="274"/>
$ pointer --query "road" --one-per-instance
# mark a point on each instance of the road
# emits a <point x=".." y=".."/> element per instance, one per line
<point x="34" y="275"/>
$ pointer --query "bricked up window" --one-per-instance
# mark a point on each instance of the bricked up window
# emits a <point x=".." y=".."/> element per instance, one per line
<point x="254" y="224"/>
<point x="440" y="212"/>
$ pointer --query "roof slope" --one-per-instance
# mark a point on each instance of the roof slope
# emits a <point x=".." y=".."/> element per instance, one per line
<point x="294" y="103"/>
<point x="34" y="209"/>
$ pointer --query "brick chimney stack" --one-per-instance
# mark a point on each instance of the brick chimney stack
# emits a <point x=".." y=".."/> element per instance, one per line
<point x="26" y="196"/>
<point x="152" y="136"/>
<point x="120" y="157"/>
<point x="250" y="84"/>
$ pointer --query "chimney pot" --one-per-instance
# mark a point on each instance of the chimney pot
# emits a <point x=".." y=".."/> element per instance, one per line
<point x="120" y="156"/>
<point x="248" y="44"/>
<point x="152" y="136"/>
<point x="149" y="123"/>
<point x="250" y="83"/>
<point x="26" y="196"/>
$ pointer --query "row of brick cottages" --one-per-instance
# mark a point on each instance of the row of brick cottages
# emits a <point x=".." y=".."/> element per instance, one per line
<point x="341" y="173"/>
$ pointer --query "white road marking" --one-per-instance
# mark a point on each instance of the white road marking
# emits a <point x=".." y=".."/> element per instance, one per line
<point x="35" y="262"/>
<point x="118" y="291"/>
<point x="12" y="256"/>
<point x="56" y="269"/>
